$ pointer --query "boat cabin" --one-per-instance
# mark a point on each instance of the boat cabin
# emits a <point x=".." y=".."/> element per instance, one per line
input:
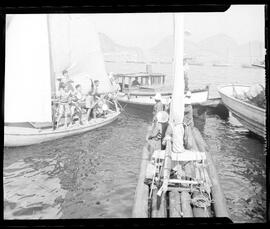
<point x="145" y="80"/>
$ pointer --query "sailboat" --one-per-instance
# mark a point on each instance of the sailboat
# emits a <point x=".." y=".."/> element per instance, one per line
<point x="38" y="48"/>
<point x="161" y="192"/>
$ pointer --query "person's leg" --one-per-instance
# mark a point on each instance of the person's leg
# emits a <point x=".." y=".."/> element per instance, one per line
<point x="61" y="112"/>
<point x="94" y="113"/>
<point x="88" y="114"/>
<point x="67" y="113"/>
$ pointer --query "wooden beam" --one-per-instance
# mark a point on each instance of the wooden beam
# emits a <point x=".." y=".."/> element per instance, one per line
<point x="185" y="204"/>
<point x="220" y="207"/>
<point x="140" y="207"/>
<point x="158" y="205"/>
<point x="174" y="204"/>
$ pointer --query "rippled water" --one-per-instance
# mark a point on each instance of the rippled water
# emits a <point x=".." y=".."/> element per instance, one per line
<point x="94" y="175"/>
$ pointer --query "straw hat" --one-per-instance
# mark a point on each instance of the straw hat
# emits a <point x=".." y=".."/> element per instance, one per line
<point x="188" y="94"/>
<point x="105" y="107"/>
<point x="162" y="116"/>
<point x="157" y="96"/>
<point x="111" y="75"/>
<point x="187" y="101"/>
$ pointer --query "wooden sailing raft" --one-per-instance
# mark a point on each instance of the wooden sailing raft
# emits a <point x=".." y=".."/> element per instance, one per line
<point x="178" y="184"/>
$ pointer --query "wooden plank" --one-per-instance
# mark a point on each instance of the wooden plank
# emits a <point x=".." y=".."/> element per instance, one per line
<point x="185" y="204"/>
<point x="174" y="204"/>
<point x="178" y="181"/>
<point x="140" y="208"/>
<point x="220" y="207"/>
<point x="158" y="205"/>
<point x="187" y="155"/>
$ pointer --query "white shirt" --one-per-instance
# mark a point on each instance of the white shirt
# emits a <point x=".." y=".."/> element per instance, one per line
<point x="186" y="67"/>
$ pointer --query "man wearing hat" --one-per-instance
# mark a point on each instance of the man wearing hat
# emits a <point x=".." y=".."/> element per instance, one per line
<point x="160" y="127"/>
<point x="158" y="106"/>
<point x="188" y="120"/>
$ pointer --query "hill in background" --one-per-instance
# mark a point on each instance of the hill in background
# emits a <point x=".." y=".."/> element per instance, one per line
<point x="217" y="48"/>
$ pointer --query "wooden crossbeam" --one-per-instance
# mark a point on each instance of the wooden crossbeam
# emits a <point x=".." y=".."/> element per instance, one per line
<point x="187" y="155"/>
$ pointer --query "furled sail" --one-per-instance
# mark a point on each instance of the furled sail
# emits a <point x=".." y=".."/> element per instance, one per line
<point x="27" y="70"/>
<point x="177" y="106"/>
<point x="77" y="49"/>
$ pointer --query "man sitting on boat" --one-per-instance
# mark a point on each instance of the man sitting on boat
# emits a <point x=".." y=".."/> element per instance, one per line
<point x="135" y="82"/>
<point x="102" y="109"/>
<point x="158" y="106"/>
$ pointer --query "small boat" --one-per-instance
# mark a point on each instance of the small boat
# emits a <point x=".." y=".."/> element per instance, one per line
<point x="196" y="63"/>
<point x="23" y="136"/>
<point x="221" y="65"/>
<point x="30" y="82"/>
<point x="142" y="97"/>
<point x="247" y="66"/>
<point x="179" y="184"/>
<point x="250" y="116"/>
<point x="259" y="65"/>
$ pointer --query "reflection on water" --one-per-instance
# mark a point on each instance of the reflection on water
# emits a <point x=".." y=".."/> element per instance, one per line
<point x="94" y="175"/>
<point x="87" y="176"/>
<point x="241" y="165"/>
<point x="32" y="189"/>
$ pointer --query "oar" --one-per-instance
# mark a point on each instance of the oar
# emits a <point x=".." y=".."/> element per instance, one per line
<point x="166" y="170"/>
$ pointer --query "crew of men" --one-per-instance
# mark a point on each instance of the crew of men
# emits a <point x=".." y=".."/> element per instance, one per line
<point x="71" y="102"/>
<point x="175" y="132"/>
<point x="163" y="130"/>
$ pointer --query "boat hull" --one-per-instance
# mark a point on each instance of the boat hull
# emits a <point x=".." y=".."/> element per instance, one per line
<point x="146" y="103"/>
<point x="251" y="117"/>
<point x="20" y="136"/>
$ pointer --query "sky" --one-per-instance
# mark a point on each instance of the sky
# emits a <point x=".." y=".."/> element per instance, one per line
<point x="243" y="23"/>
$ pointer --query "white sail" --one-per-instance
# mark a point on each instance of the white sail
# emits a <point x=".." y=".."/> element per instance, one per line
<point x="77" y="49"/>
<point x="177" y="106"/>
<point x="60" y="42"/>
<point x="27" y="70"/>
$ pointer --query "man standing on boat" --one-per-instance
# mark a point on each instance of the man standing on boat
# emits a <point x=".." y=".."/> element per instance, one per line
<point x="95" y="88"/>
<point x="159" y="128"/>
<point x="186" y="69"/>
<point x="188" y="121"/>
<point x="158" y="106"/>
<point x="68" y="81"/>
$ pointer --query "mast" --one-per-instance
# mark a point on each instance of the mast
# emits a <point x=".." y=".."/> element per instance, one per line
<point x="53" y="87"/>
<point x="177" y="105"/>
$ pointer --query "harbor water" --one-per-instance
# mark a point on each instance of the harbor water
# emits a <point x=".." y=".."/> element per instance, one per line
<point x="94" y="175"/>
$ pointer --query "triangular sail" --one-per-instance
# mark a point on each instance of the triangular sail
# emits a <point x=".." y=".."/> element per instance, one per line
<point x="27" y="70"/>
<point x="77" y="49"/>
<point x="177" y="106"/>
